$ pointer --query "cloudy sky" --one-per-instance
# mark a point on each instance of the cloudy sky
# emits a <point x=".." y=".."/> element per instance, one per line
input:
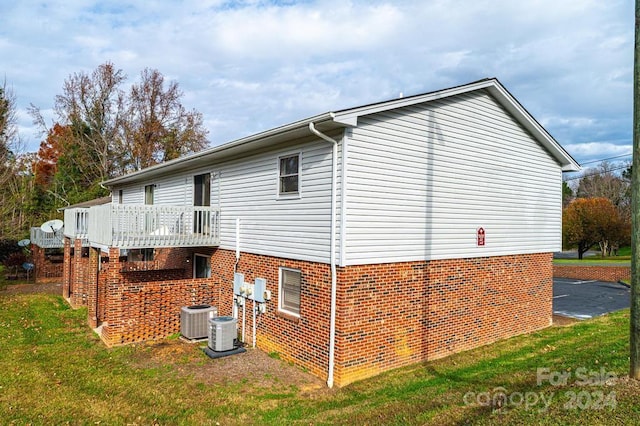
<point x="251" y="65"/>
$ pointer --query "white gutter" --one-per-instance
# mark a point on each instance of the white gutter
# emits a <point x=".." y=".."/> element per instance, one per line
<point x="332" y="245"/>
<point x="184" y="162"/>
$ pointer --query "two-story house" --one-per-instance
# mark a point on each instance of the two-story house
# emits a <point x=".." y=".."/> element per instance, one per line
<point x="387" y="234"/>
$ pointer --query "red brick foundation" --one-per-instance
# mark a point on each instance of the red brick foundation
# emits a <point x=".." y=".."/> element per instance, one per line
<point x="388" y="315"/>
<point x="599" y="273"/>
<point x="303" y="341"/>
<point x="140" y="301"/>
<point x="392" y="315"/>
<point x="48" y="267"/>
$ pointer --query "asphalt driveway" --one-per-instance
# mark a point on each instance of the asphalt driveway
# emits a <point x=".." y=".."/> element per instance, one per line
<point x="587" y="299"/>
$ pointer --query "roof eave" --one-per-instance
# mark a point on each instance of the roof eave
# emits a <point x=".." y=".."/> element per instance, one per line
<point x="496" y="89"/>
<point x="511" y="104"/>
<point x="245" y="144"/>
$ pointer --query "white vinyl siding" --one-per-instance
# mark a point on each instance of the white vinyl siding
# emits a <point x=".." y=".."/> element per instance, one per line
<point x="296" y="228"/>
<point x="423" y="179"/>
<point x="174" y="190"/>
<point x="132" y="194"/>
<point x="246" y="188"/>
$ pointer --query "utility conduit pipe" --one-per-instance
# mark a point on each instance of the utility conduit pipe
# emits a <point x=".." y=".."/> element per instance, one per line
<point x="244" y="316"/>
<point x="332" y="245"/>
<point x="234" y="301"/>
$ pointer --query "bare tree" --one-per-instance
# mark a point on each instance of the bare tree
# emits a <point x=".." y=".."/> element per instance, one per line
<point x="9" y="138"/>
<point x="605" y="182"/>
<point x="11" y="171"/>
<point x="157" y="126"/>
<point x="92" y="105"/>
<point x="104" y="130"/>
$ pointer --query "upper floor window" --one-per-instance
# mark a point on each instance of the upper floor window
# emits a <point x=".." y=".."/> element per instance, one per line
<point x="289" y="175"/>
<point x="148" y="194"/>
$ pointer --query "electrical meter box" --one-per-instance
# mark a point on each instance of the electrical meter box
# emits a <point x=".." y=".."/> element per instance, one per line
<point x="258" y="290"/>
<point x="238" y="282"/>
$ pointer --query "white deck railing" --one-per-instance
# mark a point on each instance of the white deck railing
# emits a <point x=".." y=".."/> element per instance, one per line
<point x="144" y="226"/>
<point x="76" y="224"/>
<point x="46" y="239"/>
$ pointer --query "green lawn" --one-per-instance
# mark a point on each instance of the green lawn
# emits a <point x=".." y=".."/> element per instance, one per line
<point x="596" y="261"/>
<point x="55" y="370"/>
<point x="623" y="258"/>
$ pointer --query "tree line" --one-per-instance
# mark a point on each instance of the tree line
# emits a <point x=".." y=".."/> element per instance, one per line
<point x="102" y="129"/>
<point x="597" y="210"/>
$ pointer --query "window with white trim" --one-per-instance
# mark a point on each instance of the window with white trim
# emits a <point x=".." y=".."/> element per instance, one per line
<point x="289" y="291"/>
<point x="289" y="175"/>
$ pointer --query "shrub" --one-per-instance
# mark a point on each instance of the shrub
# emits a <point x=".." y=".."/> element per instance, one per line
<point x="7" y="248"/>
<point x="15" y="260"/>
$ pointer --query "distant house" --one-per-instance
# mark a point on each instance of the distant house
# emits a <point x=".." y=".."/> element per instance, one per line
<point x="387" y="234"/>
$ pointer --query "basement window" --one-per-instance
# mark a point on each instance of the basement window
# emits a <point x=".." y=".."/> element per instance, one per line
<point x="201" y="266"/>
<point x="140" y="255"/>
<point x="289" y="291"/>
<point x="289" y="175"/>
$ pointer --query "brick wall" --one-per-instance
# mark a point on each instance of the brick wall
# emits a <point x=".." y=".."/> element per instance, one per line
<point x="140" y="304"/>
<point x="392" y="315"/>
<point x="303" y="341"/>
<point x="388" y="315"/>
<point x="48" y="267"/>
<point x="79" y="271"/>
<point x="600" y="273"/>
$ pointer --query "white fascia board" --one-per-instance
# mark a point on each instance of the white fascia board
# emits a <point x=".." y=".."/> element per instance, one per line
<point x="246" y="144"/>
<point x="350" y="116"/>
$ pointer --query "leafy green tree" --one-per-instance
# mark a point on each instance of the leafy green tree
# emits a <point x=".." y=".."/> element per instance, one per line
<point x="8" y="134"/>
<point x="13" y="175"/>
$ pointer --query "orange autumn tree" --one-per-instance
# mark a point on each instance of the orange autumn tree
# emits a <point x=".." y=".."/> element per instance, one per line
<point x="45" y="166"/>
<point x="590" y="221"/>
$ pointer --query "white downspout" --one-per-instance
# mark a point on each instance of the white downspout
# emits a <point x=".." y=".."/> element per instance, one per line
<point x="254" y="323"/>
<point x="234" y="305"/>
<point x="332" y="245"/>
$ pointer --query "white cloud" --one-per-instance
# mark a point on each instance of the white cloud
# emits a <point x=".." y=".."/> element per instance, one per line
<point x="251" y="65"/>
<point x="596" y="151"/>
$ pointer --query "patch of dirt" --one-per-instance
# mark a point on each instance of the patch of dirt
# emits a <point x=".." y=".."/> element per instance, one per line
<point x="560" y="321"/>
<point x="32" y="288"/>
<point x="253" y="367"/>
<point x="627" y="386"/>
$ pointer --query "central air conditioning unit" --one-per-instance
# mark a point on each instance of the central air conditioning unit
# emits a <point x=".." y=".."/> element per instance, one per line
<point x="194" y="320"/>
<point x="222" y="333"/>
